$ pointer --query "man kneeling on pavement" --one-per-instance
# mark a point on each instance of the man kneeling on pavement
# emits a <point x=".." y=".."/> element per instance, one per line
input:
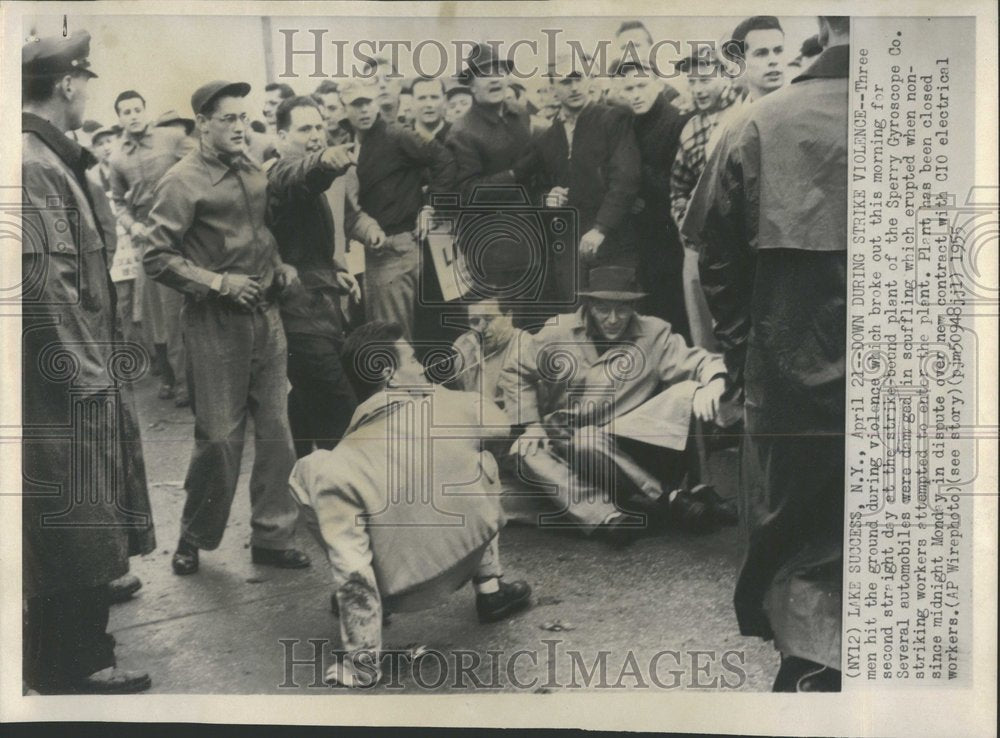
<point x="606" y="398"/>
<point x="407" y="506"/>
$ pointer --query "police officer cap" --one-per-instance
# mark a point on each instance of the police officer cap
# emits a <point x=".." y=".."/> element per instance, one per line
<point x="54" y="55"/>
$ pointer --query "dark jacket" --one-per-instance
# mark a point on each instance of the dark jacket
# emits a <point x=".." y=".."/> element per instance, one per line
<point x="661" y="256"/>
<point x="302" y="223"/>
<point x="603" y="174"/>
<point x="486" y="146"/>
<point x="391" y="173"/>
<point x="773" y="263"/>
<point x="85" y="505"/>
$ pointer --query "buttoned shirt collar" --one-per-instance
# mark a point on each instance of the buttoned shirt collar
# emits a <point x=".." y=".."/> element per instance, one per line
<point x="143" y="138"/>
<point x="220" y="164"/>
<point x="429" y="135"/>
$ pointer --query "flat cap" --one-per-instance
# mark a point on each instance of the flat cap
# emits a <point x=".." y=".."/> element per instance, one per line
<point x="701" y="55"/>
<point x="214" y="89"/>
<point x="457" y="90"/>
<point x="56" y="55"/>
<point x="103" y="132"/>
<point x="358" y="89"/>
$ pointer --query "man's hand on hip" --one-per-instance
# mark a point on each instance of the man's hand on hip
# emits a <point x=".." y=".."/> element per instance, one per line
<point x="241" y="289"/>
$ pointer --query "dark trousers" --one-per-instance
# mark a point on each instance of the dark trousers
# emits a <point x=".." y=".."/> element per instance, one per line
<point x="321" y="402"/>
<point x="66" y="638"/>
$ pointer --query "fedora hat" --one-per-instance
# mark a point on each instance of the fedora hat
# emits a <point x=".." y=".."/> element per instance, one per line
<point x="480" y="60"/>
<point x="612" y="283"/>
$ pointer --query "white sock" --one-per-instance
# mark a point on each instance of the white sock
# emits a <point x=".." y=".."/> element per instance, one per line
<point x="490" y="586"/>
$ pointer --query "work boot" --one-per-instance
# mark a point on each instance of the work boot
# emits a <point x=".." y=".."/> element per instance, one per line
<point x="112" y="680"/>
<point x="507" y="600"/>
<point x="122" y="588"/>
<point x="182" y="399"/>
<point x="185" y="559"/>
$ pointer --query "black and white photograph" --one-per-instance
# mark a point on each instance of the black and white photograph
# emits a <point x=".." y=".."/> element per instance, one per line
<point x="565" y="353"/>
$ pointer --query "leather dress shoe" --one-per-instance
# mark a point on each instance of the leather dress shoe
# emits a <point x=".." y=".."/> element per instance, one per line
<point x="621" y="531"/>
<point x="283" y="558"/>
<point x="507" y="600"/>
<point x="185" y="560"/>
<point x="112" y="681"/>
<point x="122" y="588"/>
<point x="691" y="514"/>
<point x="723" y="511"/>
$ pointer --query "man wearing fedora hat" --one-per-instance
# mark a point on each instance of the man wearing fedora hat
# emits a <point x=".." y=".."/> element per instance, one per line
<point x="173" y="119"/>
<point x="85" y="506"/>
<point x="208" y="240"/>
<point x="567" y="386"/>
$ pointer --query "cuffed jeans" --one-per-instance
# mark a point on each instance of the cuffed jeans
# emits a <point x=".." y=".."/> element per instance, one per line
<point x="238" y="363"/>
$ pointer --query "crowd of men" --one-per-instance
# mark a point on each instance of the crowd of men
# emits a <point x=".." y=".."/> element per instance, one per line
<point x="703" y="288"/>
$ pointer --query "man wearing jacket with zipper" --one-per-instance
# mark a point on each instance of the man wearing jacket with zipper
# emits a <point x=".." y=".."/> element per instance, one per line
<point x="393" y="162"/>
<point x="209" y="240"/>
<point x="588" y="159"/>
<point x="321" y="401"/>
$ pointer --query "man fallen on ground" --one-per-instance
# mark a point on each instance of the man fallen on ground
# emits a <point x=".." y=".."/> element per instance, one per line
<point x="406" y="512"/>
<point x="570" y="387"/>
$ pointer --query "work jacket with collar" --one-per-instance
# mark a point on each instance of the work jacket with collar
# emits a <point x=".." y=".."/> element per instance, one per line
<point x="302" y="223"/>
<point x="391" y="170"/>
<point x="85" y="505"/>
<point x="561" y="369"/>
<point x="138" y="164"/>
<point x="486" y="145"/>
<point x="209" y="219"/>
<point x="773" y="263"/>
<point x="408" y="499"/>
<point x="601" y="168"/>
<point x="779" y="183"/>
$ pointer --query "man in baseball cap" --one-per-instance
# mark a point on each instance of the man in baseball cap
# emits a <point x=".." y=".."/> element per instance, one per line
<point x="208" y="239"/>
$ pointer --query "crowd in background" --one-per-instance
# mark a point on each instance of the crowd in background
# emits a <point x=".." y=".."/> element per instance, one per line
<point x="258" y="255"/>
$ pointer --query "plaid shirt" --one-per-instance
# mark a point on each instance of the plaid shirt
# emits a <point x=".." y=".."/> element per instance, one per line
<point x="690" y="160"/>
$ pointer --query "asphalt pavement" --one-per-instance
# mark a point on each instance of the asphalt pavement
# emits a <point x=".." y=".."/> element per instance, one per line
<point x="657" y="615"/>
